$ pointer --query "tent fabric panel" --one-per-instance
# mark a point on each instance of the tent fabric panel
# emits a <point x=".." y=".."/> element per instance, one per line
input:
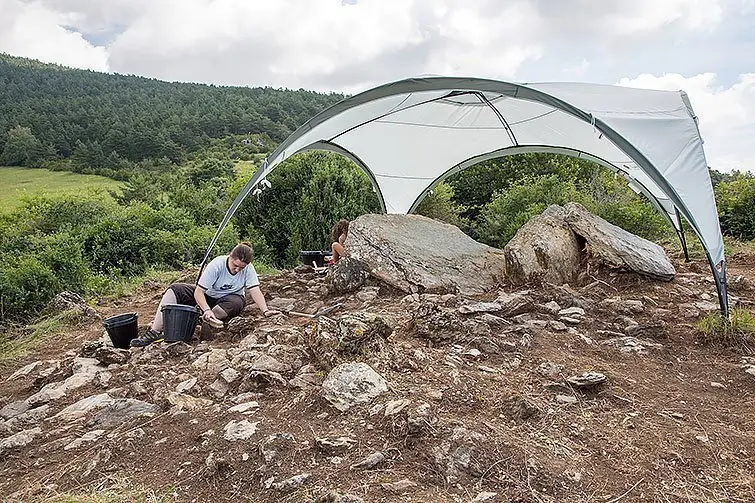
<point x="602" y="99"/>
<point x="681" y="161"/>
<point x="621" y="125"/>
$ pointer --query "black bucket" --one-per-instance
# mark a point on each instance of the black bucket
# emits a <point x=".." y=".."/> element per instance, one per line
<point x="121" y="329"/>
<point x="316" y="256"/>
<point x="179" y="322"/>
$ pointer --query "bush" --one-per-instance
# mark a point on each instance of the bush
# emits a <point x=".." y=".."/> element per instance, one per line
<point x="736" y="206"/>
<point x="309" y="193"/>
<point x="609" y="196"/>
<point x="439" y="204"/>
<point x="510" y="209"/>
<point x="26" y="284"/>
<point x="48" y="215"/>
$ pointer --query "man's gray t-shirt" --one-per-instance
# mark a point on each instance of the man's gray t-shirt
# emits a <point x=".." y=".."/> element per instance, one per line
<point x="217" y="281"/>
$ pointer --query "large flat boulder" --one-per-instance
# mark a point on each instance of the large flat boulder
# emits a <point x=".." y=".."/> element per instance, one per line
<point x="418" y="254"/>
<point x="615" y="247"/>
<point x="544" y="249"/>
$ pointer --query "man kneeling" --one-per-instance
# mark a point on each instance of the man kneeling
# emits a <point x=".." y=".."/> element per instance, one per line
<point x="220" y="293"/>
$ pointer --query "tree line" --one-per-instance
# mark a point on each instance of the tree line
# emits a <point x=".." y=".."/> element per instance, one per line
<point x="49" y="111"/>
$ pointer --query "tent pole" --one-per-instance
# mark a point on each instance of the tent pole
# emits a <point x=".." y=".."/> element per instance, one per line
<point x="719" y="275"/>
<point x="680" y="233"/>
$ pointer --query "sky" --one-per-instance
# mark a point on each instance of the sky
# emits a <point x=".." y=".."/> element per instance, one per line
<point x="704" y="47"/>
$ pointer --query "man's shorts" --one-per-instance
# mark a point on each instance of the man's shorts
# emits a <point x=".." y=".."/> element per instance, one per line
<point x="232" y="304"/>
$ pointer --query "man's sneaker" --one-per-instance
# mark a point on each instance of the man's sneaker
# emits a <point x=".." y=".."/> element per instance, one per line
<point x="148" y="338"/>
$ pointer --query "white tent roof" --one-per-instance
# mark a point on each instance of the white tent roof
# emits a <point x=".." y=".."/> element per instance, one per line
<point x="409" y="135"/>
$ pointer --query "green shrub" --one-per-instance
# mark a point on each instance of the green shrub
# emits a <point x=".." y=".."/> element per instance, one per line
<point x="309" y="193"/>
<point x="439" y="204"/>
<point x="510" y="209"/>
<point x="609" y="196"/>
<point x="736" y="206"/>
<point x="26" y="284"/>
<point x="47" y="214"/>
<point x="118" y="244"/>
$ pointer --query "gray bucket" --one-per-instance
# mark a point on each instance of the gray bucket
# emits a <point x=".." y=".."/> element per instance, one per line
<point x="179" y="322"/>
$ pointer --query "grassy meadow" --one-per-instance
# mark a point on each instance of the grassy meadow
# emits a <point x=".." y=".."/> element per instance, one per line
<point x="20" y="182"/>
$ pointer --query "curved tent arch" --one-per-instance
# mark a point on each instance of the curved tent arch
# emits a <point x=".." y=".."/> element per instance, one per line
<point x="509" y="151"/>
<point x="434" y="124"/>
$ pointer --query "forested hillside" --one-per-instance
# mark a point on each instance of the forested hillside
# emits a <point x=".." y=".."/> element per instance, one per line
<point x="68" y="110"/>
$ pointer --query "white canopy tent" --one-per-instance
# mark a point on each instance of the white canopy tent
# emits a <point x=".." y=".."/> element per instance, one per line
<point x="411" y="134"/>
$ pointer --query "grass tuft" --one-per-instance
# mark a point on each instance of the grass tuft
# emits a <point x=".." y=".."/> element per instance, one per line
<point x="119" y="492"/>
<point x="738" y="330"/>
<point x="16" y="342"/>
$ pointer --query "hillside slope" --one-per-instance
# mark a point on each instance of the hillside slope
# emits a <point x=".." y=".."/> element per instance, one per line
<point x="139" y="117"/>
<point x="478" y="402"/>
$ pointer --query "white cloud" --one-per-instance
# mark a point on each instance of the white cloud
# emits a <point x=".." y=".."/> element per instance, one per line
<point x="32" y="31"/>
<point x="349" y="46"/>
<point x="325" y="45"/>
<point x="726" y="114"/>
<point x="642" y="16"/>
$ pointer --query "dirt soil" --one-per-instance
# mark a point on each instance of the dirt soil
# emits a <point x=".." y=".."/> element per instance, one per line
<point x="674" y="421"/>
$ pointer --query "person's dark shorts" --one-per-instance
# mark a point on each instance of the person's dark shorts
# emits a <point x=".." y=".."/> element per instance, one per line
<point x="232" y="304"/>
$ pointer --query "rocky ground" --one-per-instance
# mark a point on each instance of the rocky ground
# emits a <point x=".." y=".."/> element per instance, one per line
<point x="601" y="391"/>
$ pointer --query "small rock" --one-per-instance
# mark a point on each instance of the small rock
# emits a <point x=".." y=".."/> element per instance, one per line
<point x="573" y="312"/>
<point x="335" y="445"/>
<point x="337" y="497"/>
<point x="25" y="370"/>
<point x="587" y="379"/>
<point x="239" y="430"/>
<point x="13" y="409"/>
<point x="570" y="320"/>
<point x="550" y="307"/>
<point x="267" y="363"/>
<point x="84" y="406"/>
<point x="550" y="370"/>
<point x="245" y="407"/>
<point x="229" y="375"/>
<point x="291" y="484"/>
<point x="513" y="304"/>
<point x="473" y="353"/>
<point x="480" y="307"/>
<point x="213" y="361"/>
<point x="557" y="326"/>
<point x="86" y="438"/>
<point x="371" y="461"/>
<point x="484" y="497"/>
<point x="85" y="365"/>
<point x="121" y="410"/>
<point x="368" y="293"/>
<point x="566" y="399"/>
<point x="352" y="383"/>
<point x="396" y="406"/>
<point x="187" y="402"/>
<point x="401" y="486"/>
<point x="20" y="439"/>
<point x="186" y="385"/>
<point x="421" y="419"/>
